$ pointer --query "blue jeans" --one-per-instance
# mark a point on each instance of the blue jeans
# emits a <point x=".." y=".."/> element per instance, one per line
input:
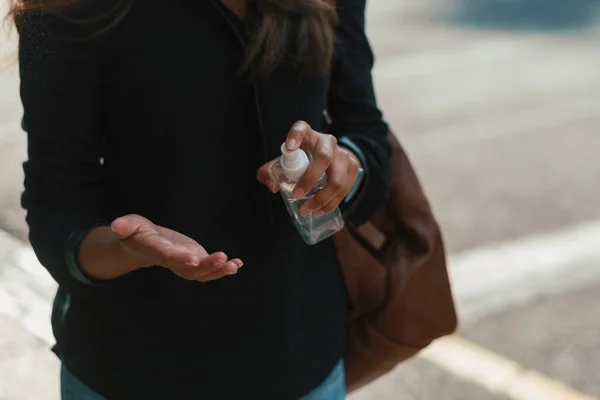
<point x="332" y="388"/>
<point x="72" y="388"/>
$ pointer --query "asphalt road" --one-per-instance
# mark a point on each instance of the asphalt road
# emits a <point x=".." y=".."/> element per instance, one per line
<point x="498" y="104"/>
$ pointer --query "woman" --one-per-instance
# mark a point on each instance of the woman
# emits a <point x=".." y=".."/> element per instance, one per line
<point x="151" y="129"/>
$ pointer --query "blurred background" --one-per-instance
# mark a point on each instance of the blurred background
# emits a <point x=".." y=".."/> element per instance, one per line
<point x="498" y="104"/>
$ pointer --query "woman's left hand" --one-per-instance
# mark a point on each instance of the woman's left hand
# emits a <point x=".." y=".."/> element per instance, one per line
<point x="340" y="165"/>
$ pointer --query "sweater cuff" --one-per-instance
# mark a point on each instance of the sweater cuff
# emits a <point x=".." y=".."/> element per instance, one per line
<point x="363" y="176"/>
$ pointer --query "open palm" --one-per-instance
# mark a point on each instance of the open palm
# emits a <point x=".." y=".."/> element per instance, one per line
<point x="156" y="245"/>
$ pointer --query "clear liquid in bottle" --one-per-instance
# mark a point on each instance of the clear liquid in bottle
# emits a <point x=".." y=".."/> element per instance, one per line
<point x="288" y="170"/>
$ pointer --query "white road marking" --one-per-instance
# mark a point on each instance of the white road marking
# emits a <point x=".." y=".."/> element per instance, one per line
<point x="495" y="277"/>
<point x="26" y="288"/>
<point x="496" y="373"/>
<point x="19" y="301"/>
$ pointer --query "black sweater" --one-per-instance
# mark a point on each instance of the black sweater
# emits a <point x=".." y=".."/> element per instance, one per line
<point x="150" y="118"/>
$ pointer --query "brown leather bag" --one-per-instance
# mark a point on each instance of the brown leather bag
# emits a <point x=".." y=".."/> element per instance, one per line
<point x="394" y="267"/>
<point x="395" y="270"/>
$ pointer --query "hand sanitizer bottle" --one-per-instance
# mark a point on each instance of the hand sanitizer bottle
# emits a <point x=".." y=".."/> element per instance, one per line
<point x="288" y="170"/>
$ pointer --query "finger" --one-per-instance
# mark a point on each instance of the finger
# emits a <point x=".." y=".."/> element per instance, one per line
<point x="207" y="261"/>
<point x="354" y="161"/>
<point x="329" y="207"/>
<point x="206" y="266"/>
<point x="301" y="135"/>
<point x="225" y="269"/>
<point x="323" y="155"/>
<point x="128" y="225"/>
<point x="179" y="257"/>
<point x="166" y="253"/>
<point x="216" y="270"/>
<point x="350" y="178"/>
<point x="265" y="176"/>
<point x="210" y="262"/>
<point x="170" y="254"/>
<point x="337" y="183"/>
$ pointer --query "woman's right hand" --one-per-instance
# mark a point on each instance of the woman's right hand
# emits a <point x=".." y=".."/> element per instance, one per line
<point x="151" y="244"/>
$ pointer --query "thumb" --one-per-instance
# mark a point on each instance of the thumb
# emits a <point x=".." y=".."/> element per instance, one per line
<point x="126" y="226"/>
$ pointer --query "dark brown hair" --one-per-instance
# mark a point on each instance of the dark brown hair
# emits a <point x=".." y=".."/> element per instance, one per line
<point x="299" y="30"/>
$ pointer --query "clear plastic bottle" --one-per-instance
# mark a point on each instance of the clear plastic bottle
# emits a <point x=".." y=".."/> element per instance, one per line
<point x="288" y="170"/>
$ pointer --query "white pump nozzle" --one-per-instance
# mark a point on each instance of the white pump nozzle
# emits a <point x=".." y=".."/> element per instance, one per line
<point x="293" y="163"/>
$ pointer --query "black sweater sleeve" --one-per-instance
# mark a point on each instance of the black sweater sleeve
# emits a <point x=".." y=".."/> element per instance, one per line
<point x="354" y="110"/>
<point x="63" y="194"/>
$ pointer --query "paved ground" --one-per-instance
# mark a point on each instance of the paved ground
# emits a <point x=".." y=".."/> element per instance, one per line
<point x="498" y="104"/>
<point x="29" y="370"/>
<point x="556" y="335"/>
